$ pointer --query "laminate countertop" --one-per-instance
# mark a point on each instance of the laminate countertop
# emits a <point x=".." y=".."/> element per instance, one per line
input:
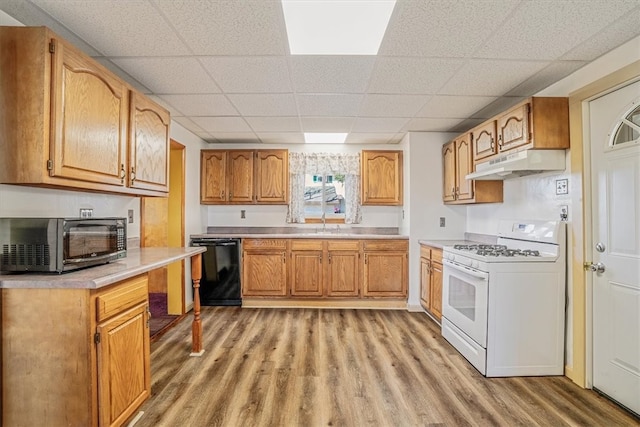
<point x="330" y="232"/>
<point x="138" y="261"/>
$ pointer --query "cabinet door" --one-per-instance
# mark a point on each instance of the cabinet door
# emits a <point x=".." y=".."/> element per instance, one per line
<point x="213" y="172"/>
<point x="381" y="178"/>
<point x="148" y="145"/>
<point x="124" y="380"/>
<point x="464" y="166"/>
<point x="484" y="141"/>
<point x="513" y="128"/>
<point x="240" y="177"/>
<point x="449" y="172"/>
<point x="342" y="276"/>
<point x="272" y="176"/>
<point x="89" y="117"/>
<point x="264" y="273"/>
<point x="306" y="273"/>
<point x="436" y="290"/>
<point x="425" y="283"/>
<point x="385" y="274"/>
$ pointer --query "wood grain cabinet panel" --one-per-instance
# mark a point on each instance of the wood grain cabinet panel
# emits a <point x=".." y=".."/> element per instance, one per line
<point x="513" y="128"/>
<point x="264" y="267"/>
<point x="244" y="176"/>
<point x="343" y="278"/>
<point x="67" y="122"/>
<point x="381" y="177"/>
<point x="385" y="268"/>
<point x="484" y="140"/>
<point x="431" y="280"/>
<point x="89" y="367"/>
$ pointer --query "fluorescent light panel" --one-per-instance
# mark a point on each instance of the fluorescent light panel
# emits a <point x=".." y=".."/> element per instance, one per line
<point x="324" y="138"/>
<point x="336" y="27"/>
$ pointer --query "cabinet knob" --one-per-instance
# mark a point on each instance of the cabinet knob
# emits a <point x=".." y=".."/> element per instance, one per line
<point x="123" y="173"/>
<point x="329" y="258"/>
<point x="222" y="194"/>
<point x="133" y="174"/>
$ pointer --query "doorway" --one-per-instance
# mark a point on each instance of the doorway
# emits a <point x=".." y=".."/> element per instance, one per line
<point x="162" y="224"/>
<point x="615" y="250"/>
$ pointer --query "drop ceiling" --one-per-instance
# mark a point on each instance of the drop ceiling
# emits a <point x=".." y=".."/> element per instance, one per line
<point x="224" y="70"/>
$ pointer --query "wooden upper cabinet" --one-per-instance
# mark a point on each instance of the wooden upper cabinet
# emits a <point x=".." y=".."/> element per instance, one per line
<point x="484" y="140"/>
<point x="464" y="164"/>
<point x="240" y="176"/>
<point x="272" y="176"/>
<point x="513" y="128"/>
<point x="449" y="172"/>
<point x="148" y="145"/>
<point x="381" y="177"/>
<point x="68" y="121"/>
<point x="213" y="176"/>
<point x="89" y="117"/>
<point x="244" y="176"/>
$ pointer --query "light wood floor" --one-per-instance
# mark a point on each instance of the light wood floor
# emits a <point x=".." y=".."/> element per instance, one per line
<point x="314" y="367"/>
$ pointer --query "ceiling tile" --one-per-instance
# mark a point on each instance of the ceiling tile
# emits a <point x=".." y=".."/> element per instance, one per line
<point x="546" y="77"/>
<point x="490" y="77"/>
<point x="328" y="105"/>
<point x="228" y="27"/>
<point x="422" y="28"/>
<point x="379" y="124"/>
<point x="412" y="75"/>
<point x="265" y="104"/>
<point x="375" y="105"/>
<point x="430" y="125"/>
<point x="369" y="138"/>
<point x="169" y="75"/>
<point x="548" y="30"/>
<point x="281" y="137"/>
<point x="329" y="74"/>
<point x="201" y="105"/>
<point x="466" y="125"/>
<point x="189" y="124"/>
<point x="326" y="124"/>
<point x="222" y="124"/>
<point x="249" y="74"/>
<point x="136" y="30"/>
<point x="274" y="124"/>
<point x="454" y="106"/>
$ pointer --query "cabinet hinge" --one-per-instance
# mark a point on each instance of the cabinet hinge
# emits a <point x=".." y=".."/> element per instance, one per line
<point x="52" y="47"/>
<point x="50" y="165"/>
<point x="96" y="338"/>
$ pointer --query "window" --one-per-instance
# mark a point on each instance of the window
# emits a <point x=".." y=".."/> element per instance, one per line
<point x="324" y="195"/>
<point x="628" y="129"/>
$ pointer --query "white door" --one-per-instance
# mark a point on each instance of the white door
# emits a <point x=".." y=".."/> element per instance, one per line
<point x="615" y="189"/>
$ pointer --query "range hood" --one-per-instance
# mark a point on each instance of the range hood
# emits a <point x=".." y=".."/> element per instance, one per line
<point x="519" y="164"/>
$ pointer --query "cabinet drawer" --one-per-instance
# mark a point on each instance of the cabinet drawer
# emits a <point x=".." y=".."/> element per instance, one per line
<point x="306" y="245"/>
<point x="425" y="252"/>
<point x="436" y="255"/>
<point x="386" y="245"/>
<point x="264" y="244"/>
<point x="343" y="245"/>
<point x="122" y="297"/>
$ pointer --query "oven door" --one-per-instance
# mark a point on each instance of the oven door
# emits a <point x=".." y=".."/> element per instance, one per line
<point x="464" y="299"/>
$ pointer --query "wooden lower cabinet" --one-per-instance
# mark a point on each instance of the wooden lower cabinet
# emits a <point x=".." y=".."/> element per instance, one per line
<point x="264" y="267"/>
<point x="385" y="268"/>
<point x="431" y="280"/>
<point x="307" y="268"/>
<point x="343" y="272"/>
<point x="76" y="357"/>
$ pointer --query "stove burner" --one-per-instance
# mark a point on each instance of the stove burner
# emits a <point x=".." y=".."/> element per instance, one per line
<point x="496" y="250"/>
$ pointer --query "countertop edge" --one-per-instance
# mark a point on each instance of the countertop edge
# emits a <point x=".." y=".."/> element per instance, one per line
<point x="301" y="236"/>
<point x="138" y="261"/>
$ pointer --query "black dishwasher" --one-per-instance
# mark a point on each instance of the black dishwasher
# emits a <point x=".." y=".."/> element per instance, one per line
<point x="220" y="282"/>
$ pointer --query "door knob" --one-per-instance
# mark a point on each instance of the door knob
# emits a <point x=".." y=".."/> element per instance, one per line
<point x="596" y="268"/>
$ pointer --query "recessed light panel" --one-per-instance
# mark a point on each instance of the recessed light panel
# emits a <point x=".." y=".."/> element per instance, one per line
<point x="336" y="27"/>
<point x="324" y="138"/>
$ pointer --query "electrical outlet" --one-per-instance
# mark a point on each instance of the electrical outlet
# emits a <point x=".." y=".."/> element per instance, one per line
<point x="442" y="221"/>
<point x="564" y="212"/>
<point x="86" y="213"/>
<point x="562" y="186"/>
<point x="130" y="214"/>
<point x="243" y="214"/>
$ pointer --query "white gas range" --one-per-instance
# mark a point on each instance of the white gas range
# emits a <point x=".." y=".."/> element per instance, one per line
<point x="504" y="305"/>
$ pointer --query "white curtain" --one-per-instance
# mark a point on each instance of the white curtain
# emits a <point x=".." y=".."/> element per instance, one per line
<point x="301" y="164"/>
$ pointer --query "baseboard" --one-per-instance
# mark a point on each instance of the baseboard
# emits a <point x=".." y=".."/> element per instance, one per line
<point x="323" y="303"/>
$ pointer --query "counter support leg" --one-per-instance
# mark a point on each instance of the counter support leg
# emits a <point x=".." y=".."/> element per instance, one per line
<point x="196" y="327"/>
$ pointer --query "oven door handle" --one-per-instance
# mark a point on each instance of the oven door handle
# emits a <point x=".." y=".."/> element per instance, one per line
<point x="465" y="270"/>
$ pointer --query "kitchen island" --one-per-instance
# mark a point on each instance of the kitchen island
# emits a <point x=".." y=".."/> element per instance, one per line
<point x="75" y="346"/>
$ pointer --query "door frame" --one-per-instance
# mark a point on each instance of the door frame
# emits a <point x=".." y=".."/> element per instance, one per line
<point x="580" y="249"/>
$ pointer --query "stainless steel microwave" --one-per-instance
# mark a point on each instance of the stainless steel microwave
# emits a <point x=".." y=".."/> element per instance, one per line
<point x="60" y="244"/>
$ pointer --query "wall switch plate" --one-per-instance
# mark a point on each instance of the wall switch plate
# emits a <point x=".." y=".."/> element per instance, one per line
<point x="442" y="221"/>
<point x="562" y="186"/>
<point x="564" y="212"/>
<point x="130" y="214"/>
<point x="243" y="214"/>
<point x="86" y="213"/>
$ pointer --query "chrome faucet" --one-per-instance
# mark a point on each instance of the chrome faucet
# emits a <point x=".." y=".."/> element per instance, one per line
<point x="324" y="222"/>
